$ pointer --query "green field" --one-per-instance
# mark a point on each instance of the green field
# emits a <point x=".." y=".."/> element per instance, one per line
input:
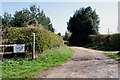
<point x="26" y="68"/>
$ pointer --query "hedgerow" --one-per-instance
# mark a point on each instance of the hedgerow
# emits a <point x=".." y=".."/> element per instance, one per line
<point x="44" y="39"/>
<point x="105" y="42"/>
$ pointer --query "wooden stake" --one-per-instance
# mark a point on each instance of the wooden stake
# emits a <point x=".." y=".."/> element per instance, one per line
<point x="33" y="46"/>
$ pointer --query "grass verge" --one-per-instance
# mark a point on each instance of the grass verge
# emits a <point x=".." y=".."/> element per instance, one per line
<point x="100" y="47"/>
<point x="26" y="68"/>
<point x="113" y="56"/>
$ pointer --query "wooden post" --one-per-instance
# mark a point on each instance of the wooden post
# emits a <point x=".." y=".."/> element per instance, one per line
<point x="108" y="31"/>
<point x="33" y="46"/>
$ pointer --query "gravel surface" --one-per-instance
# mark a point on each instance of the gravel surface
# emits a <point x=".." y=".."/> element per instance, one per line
<point x="85" y="63"/>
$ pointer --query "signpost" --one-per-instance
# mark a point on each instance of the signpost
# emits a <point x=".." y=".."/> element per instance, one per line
<point x="19" y="48"/>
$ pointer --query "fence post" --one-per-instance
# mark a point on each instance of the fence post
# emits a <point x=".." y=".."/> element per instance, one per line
<point x="33" y="46"/>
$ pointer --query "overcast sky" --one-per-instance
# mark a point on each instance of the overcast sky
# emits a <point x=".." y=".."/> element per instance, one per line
<point x="60" y="12"/>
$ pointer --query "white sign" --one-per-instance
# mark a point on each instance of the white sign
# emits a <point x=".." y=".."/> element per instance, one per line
<point x="19" y="48"/>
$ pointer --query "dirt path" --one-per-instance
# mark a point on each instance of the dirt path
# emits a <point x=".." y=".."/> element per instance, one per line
<point x="85" y="63"/>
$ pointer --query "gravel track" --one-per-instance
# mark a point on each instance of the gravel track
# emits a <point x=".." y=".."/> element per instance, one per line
<point x="85" y="63"/>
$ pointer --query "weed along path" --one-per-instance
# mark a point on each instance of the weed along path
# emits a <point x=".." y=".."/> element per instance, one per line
<point x="85" y="63"/>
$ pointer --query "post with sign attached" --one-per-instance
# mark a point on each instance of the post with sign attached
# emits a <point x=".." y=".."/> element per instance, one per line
<point x="33" y="46"/>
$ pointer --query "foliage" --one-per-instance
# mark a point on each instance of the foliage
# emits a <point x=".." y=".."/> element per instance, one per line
<point x="44" y="38"/>
<point x="66" y="43"/>
<point x="115" y="56"/>
<point x="6" y="20"/>
<point x="99" y="47"/>
<point x="84" y="22"/>
<point x="0" y="21"/>
<point x="27" y="17"/>
<point x="105" y="42"/>
<point x="66" y="36"/>
<point x="21" y="18"/>
<point x="26" y="68"/>
<point x="59" y="34"/>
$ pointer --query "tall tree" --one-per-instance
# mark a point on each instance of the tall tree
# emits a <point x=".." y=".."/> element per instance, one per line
<point x="6" y="20"/>
<point x="25" y="17"/>
<point x="33" y="13"/>
<point x="84" y="22"/>
<point x="38" y="17"/>
<point x="21" y="18"/>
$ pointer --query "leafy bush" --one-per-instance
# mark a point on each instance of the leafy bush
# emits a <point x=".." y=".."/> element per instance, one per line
<point x="44" y="39"/>
<point x="105" y="42"/>
<point x="66" y="43"/>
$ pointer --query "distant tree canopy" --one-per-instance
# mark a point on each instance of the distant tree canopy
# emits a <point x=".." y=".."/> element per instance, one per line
<point x="0" y="21"/>
<point x="84" y="22"/>
<point x="66" y="36"/>
<point x="27" y="17"/>
<point x="59" y="34"/>
<point x="6" y="20"/>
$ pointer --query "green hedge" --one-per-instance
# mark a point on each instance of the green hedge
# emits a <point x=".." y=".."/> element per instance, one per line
<point x="44" y="38"/>
<point x="105" y="42"/>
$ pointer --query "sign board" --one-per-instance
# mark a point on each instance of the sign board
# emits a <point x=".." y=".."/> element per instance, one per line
<point x="19" y="48"/>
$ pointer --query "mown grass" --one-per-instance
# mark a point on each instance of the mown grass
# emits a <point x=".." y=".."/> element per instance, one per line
<point x="26" y="68"/>
<point x="115" y="56"/>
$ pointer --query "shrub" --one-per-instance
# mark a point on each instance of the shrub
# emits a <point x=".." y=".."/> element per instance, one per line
<point x="66" y="43"/>
<point x="44" y="39"/>
<point x="105" y="42"/>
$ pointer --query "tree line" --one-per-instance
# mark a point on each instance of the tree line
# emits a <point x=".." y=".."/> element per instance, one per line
<point x="83" y="23"/>
<point x="26" y="17"/>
